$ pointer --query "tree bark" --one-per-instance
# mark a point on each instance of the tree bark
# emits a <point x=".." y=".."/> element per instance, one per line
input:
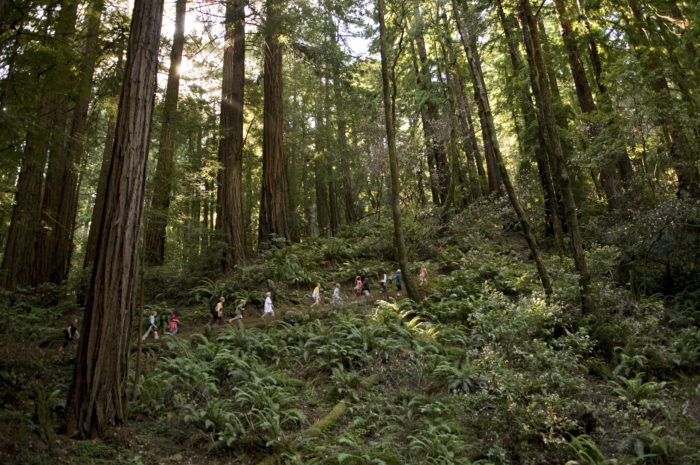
<point x="463" y="109"/>
<point x="608" y="174"/>
<point x="26" y="258"/>
<point x="389" y="96"/>
<point x="475" y="64"/>
<point x="482" y="101"/>
<point x="343" y="149"/>
<point x="322" y="216"/>
<point x="533" y="137"/>
<point x="61" y="195"/>
<point x="541" y="90"/>
<point x="430" y="114"/>
<point x="96" y="217"/>
<point x="53" y="242"/>
<point x="157" y="221"/>
<point x="97" y="397"/>
<point x="273" y="204"/>
<point x="231" y="142"/>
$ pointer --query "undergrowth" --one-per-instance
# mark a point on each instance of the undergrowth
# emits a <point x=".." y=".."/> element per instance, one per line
<point x="483" y="370"/>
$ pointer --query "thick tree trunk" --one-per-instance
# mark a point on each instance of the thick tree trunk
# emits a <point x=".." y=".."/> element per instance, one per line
<point x="97" y="397"/>
<point x="273" y="204"/>
<point x="427" y="137"/>
<point x="482" y="101"/>
<point x="61" y="195"/>
<point x="53" y="242"/>
<point x="463" y="110"/>
<point x="608" y="174"/>
<point x="18" y="259"/>
<point x="541" y="89"/>
<point x="154" y="232"/>
<point x="343" y="150"/>
<point x="434" y="145"/>
<point x="26" y="258"/>
<point x="322" y="216"/>
<point x="231" y="142"/>
<point x="533" y="137"/>
<point x="490" y="132"/>
<point x="96" y="218"/>
<point x="389" y="96"/>
<point x="329" y="162"/>
<point x="195" y="165"/>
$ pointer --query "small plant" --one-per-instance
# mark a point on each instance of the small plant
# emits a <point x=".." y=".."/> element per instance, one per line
<point x="635" y="389"/>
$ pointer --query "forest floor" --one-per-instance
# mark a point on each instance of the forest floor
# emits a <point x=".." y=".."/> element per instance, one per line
<point x="481" y="371"/>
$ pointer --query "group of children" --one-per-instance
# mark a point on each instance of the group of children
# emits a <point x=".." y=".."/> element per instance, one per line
<point x="167" y="325"/>
<point x="217" y="312"/>
<point x="361" y="286"/>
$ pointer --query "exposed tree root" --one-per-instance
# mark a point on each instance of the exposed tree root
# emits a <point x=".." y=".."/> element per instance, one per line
<point x="330" y="419"/>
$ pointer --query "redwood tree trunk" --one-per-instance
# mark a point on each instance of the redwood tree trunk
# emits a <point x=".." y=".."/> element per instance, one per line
<point x="97" y="396"/>
<point x="320" y="185"/>
<point x="22" y="263"/>
<point x="96" y="217"/>
<point x="273" y="204"/>
<point x="61" y="201"/>
<point x="434" y="146"/>
<point x="231" y="144"/>
<point x="541" y="89"/>
<point x="343" y="150"/>
<point x="389" y="96"/>
<point x="533" y="137"/>
<point x="463" y="110"/>
<point x="608" y="173"/>
<point x="154" y="234"/>
<point x="53" y="242"/>
<point x="488" y="129"/>
<point x="490" y="132"/>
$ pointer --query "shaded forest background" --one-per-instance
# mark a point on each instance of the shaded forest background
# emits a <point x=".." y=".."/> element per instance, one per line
<point x="148" y="147"/>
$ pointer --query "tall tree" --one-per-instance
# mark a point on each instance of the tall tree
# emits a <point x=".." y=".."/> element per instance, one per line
<point x="96" y="398"/>
<point x="541" y="88"/>
<point x="61" y="193"/>
<point x="533" y="137"/>
<point x="475" y="64"/>
<point x="430" y="116"/>
<point x="154" y="232"/>
<point x="389" y="92"/>
<point x="231" y="142"/>
<point x="96" y="217"/>
<point x="584" y="94"/>
<point x="464" y="115"/>
<point x="273" y="204"/>
<point x="22" y="264"/>
<point x="488" y="129"/>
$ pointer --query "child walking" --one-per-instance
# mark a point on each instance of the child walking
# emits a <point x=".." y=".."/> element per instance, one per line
<point x="268" y="310"/>
<point x="70" y="334"/>
<point x="397" y="280"/>
<point x="316" y="295"/>
<point x="358" y="286"/>
<point x="423" y="276"/>
<point x="238" y="315"/>
<point x="217" y="317"/>
<point x="336" y="293"/>
<point x="173" y="324"/>
<point x="152" y="326"/>
<point x="365" y="286"/>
